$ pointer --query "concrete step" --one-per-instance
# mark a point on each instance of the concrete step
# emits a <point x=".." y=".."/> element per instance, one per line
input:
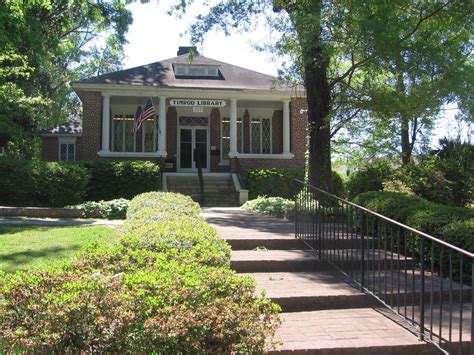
<point x="347" y="331"/>
<point x="305" y="291"/>
<point x="276" y="243"/>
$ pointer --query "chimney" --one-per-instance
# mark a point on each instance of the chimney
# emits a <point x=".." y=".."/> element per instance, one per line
<point x="186" y="50"/>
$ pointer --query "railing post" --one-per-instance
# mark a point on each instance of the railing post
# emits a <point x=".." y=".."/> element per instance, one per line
<point x="472" y="308"/>
<point x="422" y="295"/>
<point x="362" y="252"/>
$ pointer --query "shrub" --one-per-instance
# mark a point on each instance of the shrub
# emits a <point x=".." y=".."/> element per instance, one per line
<point x="429" y="217"/>
<point x="58" y="185"/>
<point x="274" y="206"/>
<point x="439" y="180"/>
<point x="273" y="182"/>
<point x="52" y="184"/>
<point x="166" y="287"/>
<point x="125" y="179"/>
<point x="157" y="206"/>
<point x="369" y="178"/>
<point x="278" y="182"/>
<point x="113" y="209"/>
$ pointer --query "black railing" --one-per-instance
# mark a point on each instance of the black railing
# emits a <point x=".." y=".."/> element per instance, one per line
<point x="423" y="279"/>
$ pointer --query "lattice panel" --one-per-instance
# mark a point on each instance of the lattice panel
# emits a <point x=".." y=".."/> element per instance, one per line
<point x="266" y="136"/>
<point x="193" y="121"/>
<point x="225" y="139"/>
<point x="63" y="152"/>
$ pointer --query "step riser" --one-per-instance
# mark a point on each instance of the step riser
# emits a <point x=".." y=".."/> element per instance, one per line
<point x="271" y="244"/>
<point x="302" y="304"/>
<point x="245" y="266"/>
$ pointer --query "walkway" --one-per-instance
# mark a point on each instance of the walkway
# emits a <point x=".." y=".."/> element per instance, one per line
<point x="322" y="312"/>
<point x="59" y="222"/>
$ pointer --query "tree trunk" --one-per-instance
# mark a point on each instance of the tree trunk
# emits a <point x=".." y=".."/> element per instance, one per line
<point x="315" y="65"/>
<point x="405" y="145"/>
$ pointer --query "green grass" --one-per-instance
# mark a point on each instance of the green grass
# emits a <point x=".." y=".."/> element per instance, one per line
<point x="23" y="247"/>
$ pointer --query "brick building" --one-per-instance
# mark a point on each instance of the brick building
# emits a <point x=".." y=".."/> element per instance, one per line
<point x="202" y="106"/>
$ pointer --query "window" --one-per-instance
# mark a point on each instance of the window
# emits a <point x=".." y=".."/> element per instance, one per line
<point x="67" y="149"/>
<point x="225" y="138"/>
<point x="196" y="70"/>
<point x="260" y="136"/>
<point x="123" y="139"/>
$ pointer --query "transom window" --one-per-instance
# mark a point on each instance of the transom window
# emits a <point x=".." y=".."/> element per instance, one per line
<point x="260" y="136"/>
<point x="225" y="138"/>
<point x="123" y="139"/>
<point x="196" y="70"/>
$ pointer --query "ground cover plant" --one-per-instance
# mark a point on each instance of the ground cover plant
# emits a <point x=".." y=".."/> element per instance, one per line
<point x="273" y="206"/>
<point x="165" y="286"/>
<point x="24" y="247"/>
<point x="113" y="209"/>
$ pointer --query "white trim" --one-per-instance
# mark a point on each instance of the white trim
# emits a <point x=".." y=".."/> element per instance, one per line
<point x="240" y="123"/>
<point x="263" y="156"/>
<point x="203" y="92"/>
<point x="102" y="153"/>
<point x="286" y="126"/>
<point x="61" y="135"/>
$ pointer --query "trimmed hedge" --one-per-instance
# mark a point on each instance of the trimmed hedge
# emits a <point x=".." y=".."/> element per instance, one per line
<point x="278" y="182"/>
<point x="454" y="225"/>
<point x="52" y="184"/>
<point x="109" y="180"/>
<point x="113" y="209"/>
<point x="165" y="287"/>
<point x="26" y="183"/>
<point x="369" y="178"/>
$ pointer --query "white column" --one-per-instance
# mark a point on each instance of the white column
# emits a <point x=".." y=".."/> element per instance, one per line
<point x="233" y="127"/>
<point x="286" y="126"/>
<point x="162" y="125"/>
<point x="106" y="123"/>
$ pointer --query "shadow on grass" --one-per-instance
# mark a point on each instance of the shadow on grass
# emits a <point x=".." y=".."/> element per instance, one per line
<point x="18" y="260"/>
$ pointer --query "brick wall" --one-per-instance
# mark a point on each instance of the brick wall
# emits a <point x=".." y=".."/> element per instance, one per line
<point x="49" y="150"/>
<point x="277" y="132"/>
<point x="91" y="124"/>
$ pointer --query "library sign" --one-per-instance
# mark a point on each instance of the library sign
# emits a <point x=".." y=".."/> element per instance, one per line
<point x="197" y="102"/>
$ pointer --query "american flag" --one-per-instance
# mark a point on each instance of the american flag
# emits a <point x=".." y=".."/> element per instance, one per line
<point x="147" y="112"/>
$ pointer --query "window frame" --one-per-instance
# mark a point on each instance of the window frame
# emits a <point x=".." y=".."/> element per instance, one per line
<point x="68" y="141"/>
<point x="124" y="116"/>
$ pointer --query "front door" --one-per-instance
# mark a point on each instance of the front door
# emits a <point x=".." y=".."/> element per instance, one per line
<point x="193" y="141"/>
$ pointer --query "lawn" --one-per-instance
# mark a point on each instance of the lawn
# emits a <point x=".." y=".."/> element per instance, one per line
<point x="23" y="247"/>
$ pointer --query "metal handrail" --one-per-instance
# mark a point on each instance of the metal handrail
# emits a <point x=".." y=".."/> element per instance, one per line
<point x="404" y="226"/>
<point x="420" y="277"/>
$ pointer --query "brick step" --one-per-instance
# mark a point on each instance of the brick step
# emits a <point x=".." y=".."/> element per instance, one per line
<point x="305" y="291"/>
<point x="282" y="243"/>
<point x="347" y="331"/>
<point x="301" y="260"/>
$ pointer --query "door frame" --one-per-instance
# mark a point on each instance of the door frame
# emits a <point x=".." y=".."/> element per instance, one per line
<point x="193" y="138"/>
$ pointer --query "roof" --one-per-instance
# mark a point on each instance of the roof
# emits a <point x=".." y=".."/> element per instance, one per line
<point x="161" y="74"/>
<point x="67" y="128"/>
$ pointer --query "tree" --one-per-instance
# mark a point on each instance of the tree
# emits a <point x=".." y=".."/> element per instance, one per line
<point x="352" y="56"/>
<point x="45" y="45"/>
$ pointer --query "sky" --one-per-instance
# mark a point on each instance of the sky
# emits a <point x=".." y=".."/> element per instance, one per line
<point x="155" y="35"/>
